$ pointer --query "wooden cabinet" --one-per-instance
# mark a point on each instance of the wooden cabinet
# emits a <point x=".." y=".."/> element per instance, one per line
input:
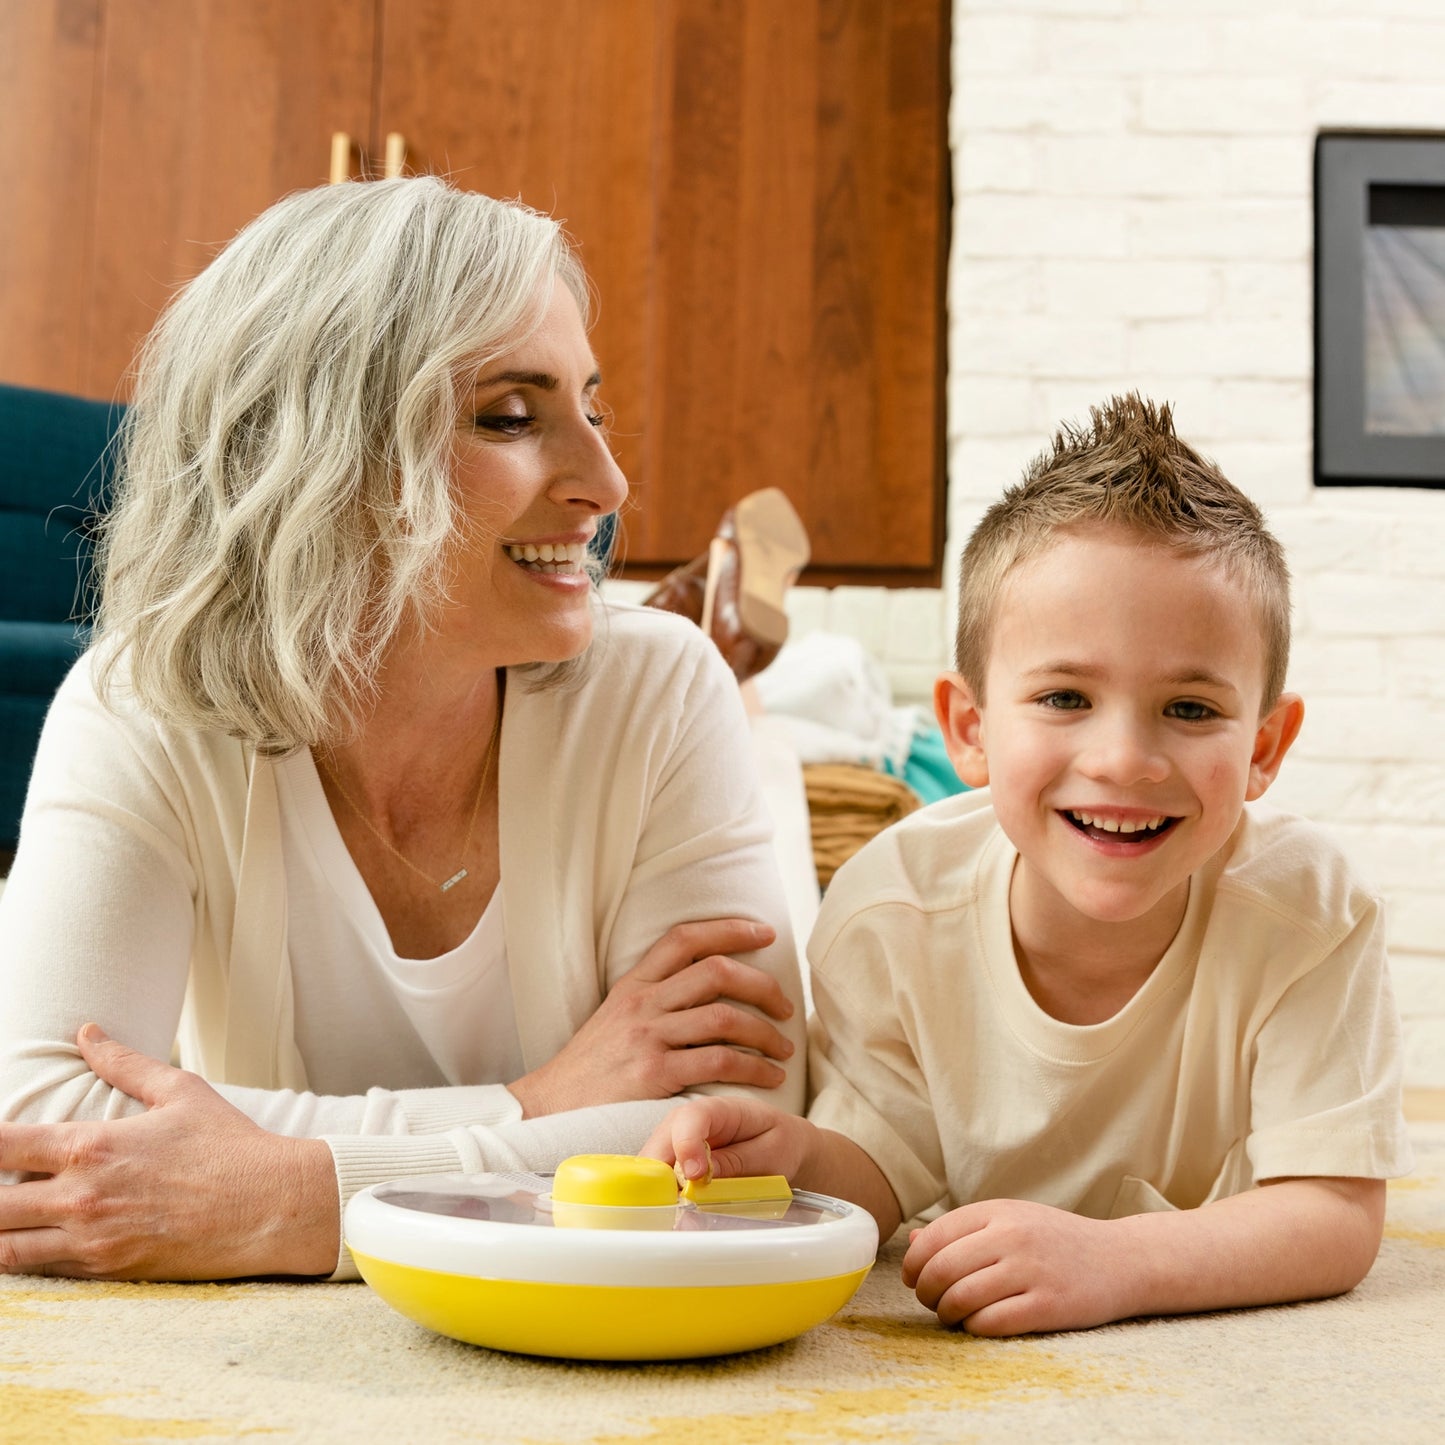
<point x="759" y="191"/>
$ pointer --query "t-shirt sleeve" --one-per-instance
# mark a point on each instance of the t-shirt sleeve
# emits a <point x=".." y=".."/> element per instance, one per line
<point x="866" y="1080"/>
<point x="1325" y="1089"/>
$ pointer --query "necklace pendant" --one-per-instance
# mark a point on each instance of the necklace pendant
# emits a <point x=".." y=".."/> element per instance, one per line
<point x="454" y="879"/>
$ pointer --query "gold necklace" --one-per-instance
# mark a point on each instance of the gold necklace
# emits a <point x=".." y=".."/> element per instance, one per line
<point x="471" y="822"/>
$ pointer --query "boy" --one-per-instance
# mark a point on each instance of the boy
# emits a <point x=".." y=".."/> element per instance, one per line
<point x="1134" y="1036"/>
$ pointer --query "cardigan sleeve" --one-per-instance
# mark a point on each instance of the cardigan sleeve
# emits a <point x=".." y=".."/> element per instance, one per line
<point x="704" y="847"/>
<point x="97" y="917"/>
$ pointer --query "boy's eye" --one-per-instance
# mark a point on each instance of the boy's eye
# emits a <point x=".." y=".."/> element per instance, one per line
<point x="1063" y="701"/>
<point x="1187" y="711"/>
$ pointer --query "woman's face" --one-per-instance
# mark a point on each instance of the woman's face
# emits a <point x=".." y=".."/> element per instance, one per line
<point x="534" y="475"/>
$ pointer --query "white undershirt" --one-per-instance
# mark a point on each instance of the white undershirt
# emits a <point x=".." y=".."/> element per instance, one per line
<point x="364" y="1015"/>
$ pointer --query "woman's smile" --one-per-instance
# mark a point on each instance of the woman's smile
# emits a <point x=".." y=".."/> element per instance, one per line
<point x="548" y="559"/>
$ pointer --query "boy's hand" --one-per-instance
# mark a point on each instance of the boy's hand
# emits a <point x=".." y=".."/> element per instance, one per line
<point x="1004" y="1267"/>
<point x="743" y="1135"/>
<point x="1008" y="1267"/>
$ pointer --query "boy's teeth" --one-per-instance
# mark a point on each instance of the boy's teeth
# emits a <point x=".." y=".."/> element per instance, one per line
<point x="1113" y="825"/>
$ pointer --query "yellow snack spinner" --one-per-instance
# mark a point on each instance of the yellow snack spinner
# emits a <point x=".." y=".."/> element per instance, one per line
<point x="608" y="1260"/>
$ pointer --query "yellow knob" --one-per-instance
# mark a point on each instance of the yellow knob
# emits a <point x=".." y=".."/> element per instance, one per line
<point x="615" y="1179"/>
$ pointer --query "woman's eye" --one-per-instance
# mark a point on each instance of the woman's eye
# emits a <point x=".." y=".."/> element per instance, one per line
<point x="1063" y="701"/>
<point x="503" y="423"/>
<point x="1190" y="711"/>
<point x="596" y="419"/>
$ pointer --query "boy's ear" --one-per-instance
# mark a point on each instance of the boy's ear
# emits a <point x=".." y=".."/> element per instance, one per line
<point x="961" y="721"/>
<point x="1278" y="730"/>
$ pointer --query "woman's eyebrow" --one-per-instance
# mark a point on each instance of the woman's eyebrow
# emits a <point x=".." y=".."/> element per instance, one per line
<point x="542" y="380"/>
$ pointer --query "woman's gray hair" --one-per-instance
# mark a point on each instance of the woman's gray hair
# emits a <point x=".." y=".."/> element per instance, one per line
<point x="285" y="506"/>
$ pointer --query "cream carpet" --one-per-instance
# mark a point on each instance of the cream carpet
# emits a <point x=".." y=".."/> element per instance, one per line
<point x="281" y="1363"/>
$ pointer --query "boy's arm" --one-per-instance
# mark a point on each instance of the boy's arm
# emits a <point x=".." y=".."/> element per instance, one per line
<point x="1006" y="1267"/>
<point x="733" y="1135"/>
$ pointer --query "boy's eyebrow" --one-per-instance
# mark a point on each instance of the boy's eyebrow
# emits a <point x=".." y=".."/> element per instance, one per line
<point x="1186" y="677"/>
<point x="543" y="380"/>
<point x="1200" y="675"/>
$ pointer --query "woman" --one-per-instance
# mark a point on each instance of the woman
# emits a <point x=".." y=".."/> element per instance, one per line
<point x="347" y="799"/>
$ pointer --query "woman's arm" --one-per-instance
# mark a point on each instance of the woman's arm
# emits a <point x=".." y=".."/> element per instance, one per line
<point x="189" y="1188"/>
<point x="97" y="919"/>
<point x="702" y="845"/>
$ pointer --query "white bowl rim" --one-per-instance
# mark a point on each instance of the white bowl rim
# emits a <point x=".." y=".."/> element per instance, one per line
<point x="487" y="1249"/>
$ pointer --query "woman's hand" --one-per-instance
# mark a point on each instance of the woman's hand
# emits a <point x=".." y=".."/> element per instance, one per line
<point x="191" y="1189"/>
<point x="672" y="1022"/>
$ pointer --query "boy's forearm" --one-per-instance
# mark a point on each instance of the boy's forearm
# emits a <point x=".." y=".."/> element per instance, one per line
<point x="1291" y="1239"/>
<point x="835" y="1165"/>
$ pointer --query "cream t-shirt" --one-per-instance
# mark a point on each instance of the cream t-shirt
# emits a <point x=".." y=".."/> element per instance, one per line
<point x="435" y="1021"/>
<point x="1264" y="1044"/>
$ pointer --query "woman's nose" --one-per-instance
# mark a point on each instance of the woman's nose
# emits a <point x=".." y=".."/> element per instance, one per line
<point x="591" y="476"/>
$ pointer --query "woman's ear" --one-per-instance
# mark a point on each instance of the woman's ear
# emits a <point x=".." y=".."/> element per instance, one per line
<point x="1276" y="733"/>
<point x="961" y="719"/>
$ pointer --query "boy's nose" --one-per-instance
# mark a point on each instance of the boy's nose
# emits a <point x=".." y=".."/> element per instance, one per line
<point x="1124" y="752"/>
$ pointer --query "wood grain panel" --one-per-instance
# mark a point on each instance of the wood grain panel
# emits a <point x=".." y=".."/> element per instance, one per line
<point x="760" y="194"/>
<point x="48" y="54"/>
<point x="759" y="190"/>
<point x="554" y="105"/>
<point x="210" y="111"/>
<point x="799" y="272"/>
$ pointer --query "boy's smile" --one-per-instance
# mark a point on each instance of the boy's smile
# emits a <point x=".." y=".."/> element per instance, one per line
<point x="1120" y="734"/>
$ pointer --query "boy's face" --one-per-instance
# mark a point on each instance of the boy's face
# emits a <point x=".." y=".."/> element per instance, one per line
<point x="1121" y="733"/>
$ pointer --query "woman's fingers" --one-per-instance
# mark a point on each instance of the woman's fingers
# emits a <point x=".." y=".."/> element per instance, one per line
<point x="25" y="1207"/>
<point x="145" y="1079"/>
<point x="685" y="1068"/>
<point x="718" y="976"/>
<point x="37" y="1251"/>
<point x="35" y="1149"/>
<point x="684" y="943"/>
<point x="725" y="1023"/>
<point x="685" y="1014"/>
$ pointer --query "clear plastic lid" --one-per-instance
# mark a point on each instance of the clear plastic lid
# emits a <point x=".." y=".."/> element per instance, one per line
<point x="526" y="1199"/>
<point x="510" y="1226"/>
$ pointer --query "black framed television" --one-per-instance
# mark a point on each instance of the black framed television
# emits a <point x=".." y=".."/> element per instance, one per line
<point x="1379" y="308"/>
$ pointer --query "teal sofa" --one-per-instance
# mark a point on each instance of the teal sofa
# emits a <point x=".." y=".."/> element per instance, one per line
<point x="56" y="460"/>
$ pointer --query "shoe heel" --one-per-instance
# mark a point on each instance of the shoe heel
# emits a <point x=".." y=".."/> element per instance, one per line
<point x="772" y="550"/>
<point x="717" y="560"/>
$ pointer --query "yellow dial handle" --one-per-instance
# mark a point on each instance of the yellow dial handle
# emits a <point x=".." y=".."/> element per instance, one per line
<point x="616" y="1179"/>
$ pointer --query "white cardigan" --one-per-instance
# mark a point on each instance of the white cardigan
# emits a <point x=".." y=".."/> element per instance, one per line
<point x="148" y="895"/>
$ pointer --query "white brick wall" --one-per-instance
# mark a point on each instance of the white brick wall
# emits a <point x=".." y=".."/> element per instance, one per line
<point x="1132" y="193"/>
<point x="1133" y="208"/>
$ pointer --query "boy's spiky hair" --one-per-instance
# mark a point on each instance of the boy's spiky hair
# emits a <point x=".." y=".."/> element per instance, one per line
<point x="1126" y="468"/>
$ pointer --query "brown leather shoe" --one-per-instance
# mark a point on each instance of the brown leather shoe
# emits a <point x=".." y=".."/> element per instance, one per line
<point x="681" y="591"/>
<point x="735" y="591"/>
